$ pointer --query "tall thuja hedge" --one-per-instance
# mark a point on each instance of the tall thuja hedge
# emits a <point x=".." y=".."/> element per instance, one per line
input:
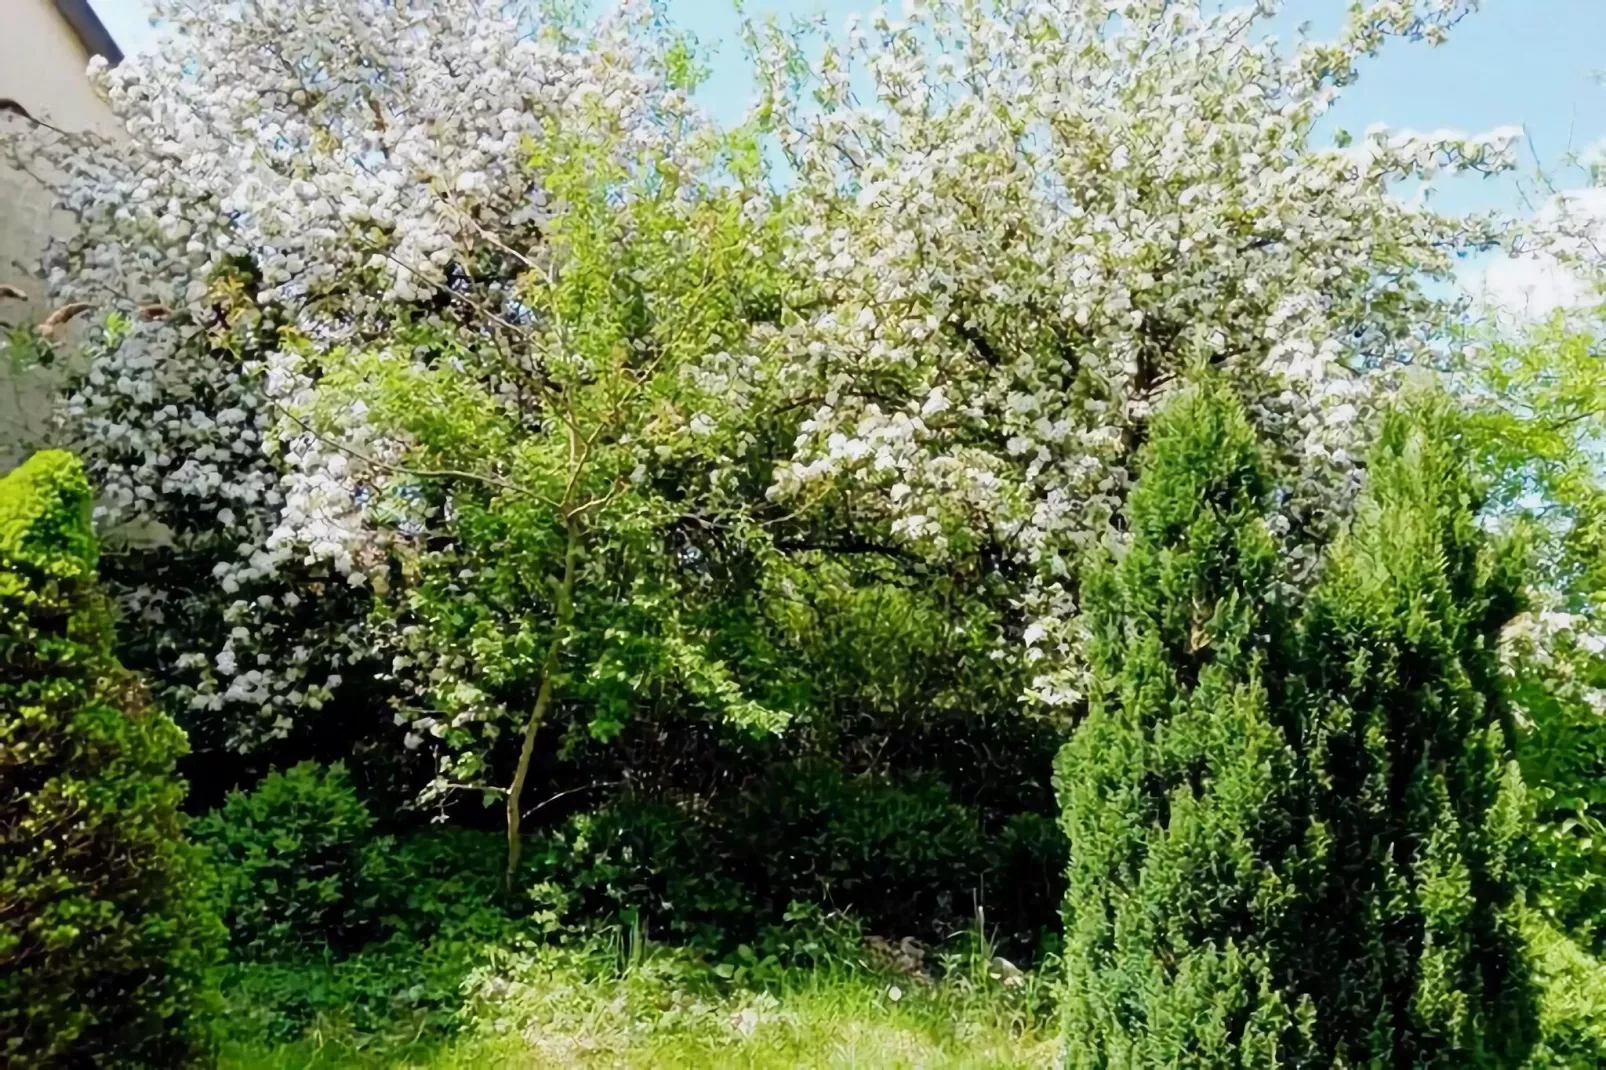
<point x="1413" y="940"/>
<point x="1179" y="789"/>
<point x="1291" y="819"/>
<point x="103" y="940"/>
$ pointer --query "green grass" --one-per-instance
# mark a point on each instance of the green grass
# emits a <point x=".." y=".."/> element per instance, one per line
<point x="842" y="1027"/>
<point x="547" y="1008"/>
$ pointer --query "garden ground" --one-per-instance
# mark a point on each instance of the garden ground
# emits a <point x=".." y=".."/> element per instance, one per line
<point x="651" y="1015"/>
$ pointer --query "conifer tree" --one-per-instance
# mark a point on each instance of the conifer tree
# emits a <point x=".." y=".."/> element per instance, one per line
<point x="1415" y="956"/>
<point x="1179" y="789"/>
<point x="1293" y="822"/>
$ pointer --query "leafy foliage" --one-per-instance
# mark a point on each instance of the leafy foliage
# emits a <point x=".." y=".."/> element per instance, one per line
<point x="430" y="910"/>
<point x="1538" y="412"/>
<point x="1572" y="1008"/>
<point x="641" y="863"/>
<point x="104" y="937"/>
<point x="1555" y="682"/>
<point x="905" y="860"/>
<point x="435" y="882"/>
<point x="1295" y="835"/>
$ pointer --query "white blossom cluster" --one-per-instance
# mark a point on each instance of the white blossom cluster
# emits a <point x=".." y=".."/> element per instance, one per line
<point x="299" y="175"/>
<point x="337" y="141"/>
<point x="1564" y="649"/>
<point x="1556" y="263"/>
<point x="1026" y="220"/>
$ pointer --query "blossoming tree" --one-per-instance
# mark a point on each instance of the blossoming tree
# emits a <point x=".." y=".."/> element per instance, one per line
<point x="323" y="177"/>
<point x="1025" y="220"/>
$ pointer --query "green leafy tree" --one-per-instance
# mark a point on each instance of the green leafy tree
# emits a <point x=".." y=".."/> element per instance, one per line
<point x="104" y="938"/>
<point x="557" y="502"/>
<point x="1538" y="419"/>
<point x="1294" y="826"/>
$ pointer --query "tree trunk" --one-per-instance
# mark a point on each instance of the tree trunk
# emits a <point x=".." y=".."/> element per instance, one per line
<point x="543" y="702"/>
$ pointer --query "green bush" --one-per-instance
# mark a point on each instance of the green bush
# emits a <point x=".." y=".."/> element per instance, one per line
<point x="1025" y="884"/>
<point x="288" y="857"/>
<point x="904" y="858"/>
<point x="104" y="939"/>
<point x="642" y="863"/>
<point x="433" y="911"/>
<point x="435" y="882"/>
<point x="1572" y="1009"/>
<point x="1294" y="829"/>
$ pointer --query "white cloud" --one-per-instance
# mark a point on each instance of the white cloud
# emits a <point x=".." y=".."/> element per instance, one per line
<point x="1533" y="285"/>
<point x="1541" y="280"/>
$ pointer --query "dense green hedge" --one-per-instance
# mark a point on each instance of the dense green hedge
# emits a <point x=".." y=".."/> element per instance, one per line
<point x="903" y="857"/>
<point x="299" y="870"/>
<point x="104" y="941"/>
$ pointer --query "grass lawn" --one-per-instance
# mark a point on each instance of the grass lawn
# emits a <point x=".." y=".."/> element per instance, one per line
<point x="658" y="1014"/>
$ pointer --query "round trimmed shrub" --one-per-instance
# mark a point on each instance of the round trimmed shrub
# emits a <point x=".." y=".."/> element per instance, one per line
<point x="288" y="857"/>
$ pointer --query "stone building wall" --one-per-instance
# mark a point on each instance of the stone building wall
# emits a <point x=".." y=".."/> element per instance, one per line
<point x="43" y="60"/>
